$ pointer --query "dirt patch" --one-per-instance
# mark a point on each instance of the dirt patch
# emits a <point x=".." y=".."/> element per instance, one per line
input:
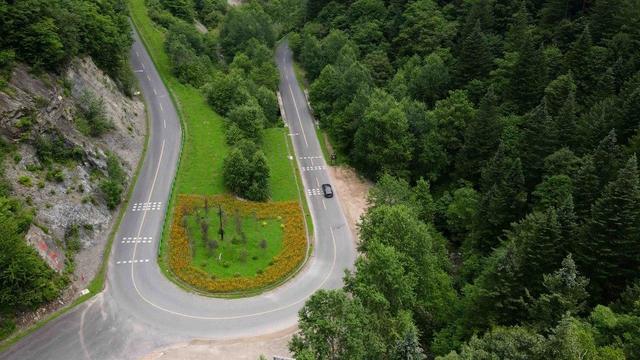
<point x="353" y="192"/>
<point x="238" y="349"/>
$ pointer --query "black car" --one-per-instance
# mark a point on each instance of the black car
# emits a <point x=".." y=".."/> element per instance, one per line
<point x="327" y="190"/>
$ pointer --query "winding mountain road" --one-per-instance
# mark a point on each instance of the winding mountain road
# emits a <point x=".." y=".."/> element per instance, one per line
<point x="140" y="309"/>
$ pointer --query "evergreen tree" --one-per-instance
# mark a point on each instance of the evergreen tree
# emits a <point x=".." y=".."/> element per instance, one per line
<point x="558" y="92"/>
<point x="408" y="348"/>
<point x="605" y="18"/>
<point x="529" y="77"/>
<point x="538" y="239"/>
<point x="503" y="198"/>
<point x="607" y="158"/>
<point x="475" y="60"/>
<point x="518" y="33"/>
<point x="481" y="138"/>
<point x="586" y="186"/>
<point x="565" y="293"/>
<point x="610" y="244"/>
<point x="539" y="140"/>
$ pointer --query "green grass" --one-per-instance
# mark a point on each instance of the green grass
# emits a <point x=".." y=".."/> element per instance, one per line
<point x="203" y="146"/>
<point x="248" y="247"/>
<point x="282" y="180"/>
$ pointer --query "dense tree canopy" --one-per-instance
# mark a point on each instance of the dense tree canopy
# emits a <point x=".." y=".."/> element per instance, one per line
<point x="48" y="33"/>
<point x="502" y="135"/>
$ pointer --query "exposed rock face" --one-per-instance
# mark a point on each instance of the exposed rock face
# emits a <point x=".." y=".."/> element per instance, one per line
<point x="32" y="106"/>
<point x="46" y="247"/>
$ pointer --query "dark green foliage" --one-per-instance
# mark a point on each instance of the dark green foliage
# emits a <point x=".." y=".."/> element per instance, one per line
<point x="249" y="119"/>
<point x="182" y="9"/>
<point x="481" y="138"/>
<point x="476" y="59"/>
<point x="333" y="325"/>
<point x="47" y="34"/>
<point x="565" y="293"/>
<point x="503" y="198"/>
<point x="520" y="115"/>
<point x="385" y="120"/>
<point x="91" y="115"/>
<point x="27" y="282"/>
<point x="182" y="46"/>
<point x="114" y="184"/>
<point x="52" y="148"/>
<point x="242" y="24"/>
<point x="609" y="249"/>
<point x="246" y="173"/>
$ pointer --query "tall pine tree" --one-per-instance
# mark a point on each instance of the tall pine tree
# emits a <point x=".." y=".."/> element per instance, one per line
<point x="610" y="245"/>
<point x="475" y="60"/>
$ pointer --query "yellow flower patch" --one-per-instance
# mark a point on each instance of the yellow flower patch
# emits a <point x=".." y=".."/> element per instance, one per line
<point x="294" y="243"/>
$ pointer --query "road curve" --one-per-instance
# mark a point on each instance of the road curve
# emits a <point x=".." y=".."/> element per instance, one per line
<point x="140" y="310"/>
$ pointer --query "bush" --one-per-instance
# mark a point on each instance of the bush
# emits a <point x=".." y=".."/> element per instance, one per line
<point x="246" y="173"/>
<point x="186" y="65"/>
<point x="113" y="186"/>
<point x="7" y="326"/>
<point x="27" y="282"/>
<point x="250" y="119"/>
<point x="52" y="148"/>
<point x="91" y="116"/>
<point x="24" y="181"/>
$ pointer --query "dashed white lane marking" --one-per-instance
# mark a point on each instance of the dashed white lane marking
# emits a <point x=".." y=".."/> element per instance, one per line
<point x="155" y="92"/>
<point x="311" y="161"/>
<point x="295" y="105"/>
<point x="137" y="54"/>
<point x="164" y="123"/>
<point x="142" y="65"/>
<point x="148" y="78"/>
<point x="147" y="206"/>
<point x="161" y="108"/>
<point x="309" y="157"/>
<point x="312" y="168"/>
<point x="132" y="261"/>
<point x="137" y="240"/>
<point x="324" y="204"/>
<point x="317" y="182"/>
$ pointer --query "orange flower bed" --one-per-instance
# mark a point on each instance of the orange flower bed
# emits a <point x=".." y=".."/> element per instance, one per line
<point x="294" y="243"/>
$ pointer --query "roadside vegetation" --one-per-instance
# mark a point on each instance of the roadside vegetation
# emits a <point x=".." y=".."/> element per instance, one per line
<point x="502" y="134"/>
<point x="46" y="36"/>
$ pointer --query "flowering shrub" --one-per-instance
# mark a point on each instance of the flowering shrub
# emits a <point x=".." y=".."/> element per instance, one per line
<point x="294" y="243"/>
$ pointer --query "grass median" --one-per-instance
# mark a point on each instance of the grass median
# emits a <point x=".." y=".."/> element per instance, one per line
<point x="204" y="147"/>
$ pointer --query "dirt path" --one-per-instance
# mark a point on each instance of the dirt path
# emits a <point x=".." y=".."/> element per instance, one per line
<point x="238" y="349"/>
<point x="353" y="192"/>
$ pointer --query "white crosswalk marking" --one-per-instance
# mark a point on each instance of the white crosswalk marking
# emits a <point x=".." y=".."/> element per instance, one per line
<point x="314" y="192"/>
<point x="136" y="261"/>
<point x="137" y="240"/>
<point x="312" y="168"/>
<point x="310" y="157"/>
<point x="148" y="206"/>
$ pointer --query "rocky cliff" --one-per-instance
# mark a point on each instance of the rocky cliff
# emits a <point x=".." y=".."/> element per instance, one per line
<point x="56" y="165"/>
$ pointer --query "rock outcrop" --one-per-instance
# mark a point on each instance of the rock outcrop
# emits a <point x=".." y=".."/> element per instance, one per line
<point x="65" y="196"/>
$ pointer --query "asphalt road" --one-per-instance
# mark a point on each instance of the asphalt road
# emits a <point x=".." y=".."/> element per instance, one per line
<point x="140" y="310"/>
